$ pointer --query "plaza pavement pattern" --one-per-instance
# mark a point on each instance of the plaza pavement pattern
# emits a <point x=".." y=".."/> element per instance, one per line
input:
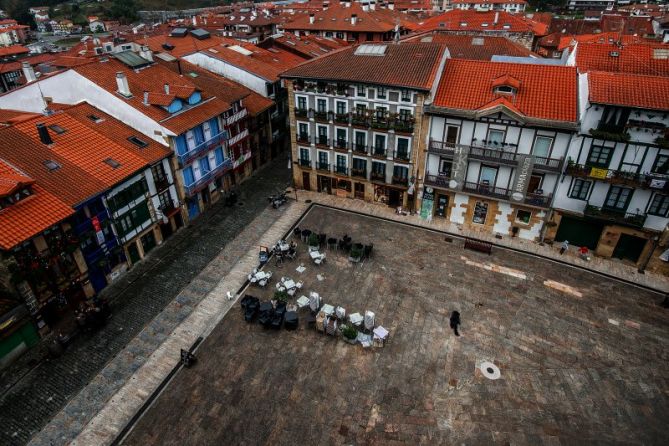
<point x="568" y="375"/>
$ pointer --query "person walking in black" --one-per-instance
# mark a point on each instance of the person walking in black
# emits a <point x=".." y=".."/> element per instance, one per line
<point x="455" y="321"/>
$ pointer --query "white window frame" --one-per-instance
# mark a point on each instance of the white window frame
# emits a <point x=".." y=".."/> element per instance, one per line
<point x="385" y="135"/>
<point x="337" y="101"/>
<point x="297" y="101"/>
<point x="318" y="98"/>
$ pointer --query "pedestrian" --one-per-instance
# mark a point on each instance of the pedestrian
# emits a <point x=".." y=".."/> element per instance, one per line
<point x="455" y="321"/>
<point x="565" y="247"/>
<point x="584" y="252"/>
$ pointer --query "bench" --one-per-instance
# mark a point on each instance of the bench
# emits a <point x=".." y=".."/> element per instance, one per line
<point x="478" y="245"/>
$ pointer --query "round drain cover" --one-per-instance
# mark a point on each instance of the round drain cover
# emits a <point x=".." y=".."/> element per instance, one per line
<point x="490" y="370"/>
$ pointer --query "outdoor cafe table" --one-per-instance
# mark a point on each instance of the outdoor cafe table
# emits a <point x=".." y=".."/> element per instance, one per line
<point x="356" y="319"/>
<point x="315" y="254"/>
<point x="289" y="284"/>
<point x="303" y="301"/>
<point x="328" y="309"/>
<point x="284" y="246"/>
<point x="260" y="275"/>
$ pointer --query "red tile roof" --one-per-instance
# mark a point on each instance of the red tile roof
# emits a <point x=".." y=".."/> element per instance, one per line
<point x="152" y="79"/>
<point x="306" y="46"/>
<point x="8" y="117"/>
<point x="182" y="45"/>
<point x="28" y="217"/>
<point x="544" y="92"/>
<point x="338" y="18"/>
<point x="629" y="90"/>
<point x="475" y="47"/>
<point x="408" y="64"/>
<point x="644" y="58"/>
<point x="483" y="21"/>
<point x="13" y="50"/>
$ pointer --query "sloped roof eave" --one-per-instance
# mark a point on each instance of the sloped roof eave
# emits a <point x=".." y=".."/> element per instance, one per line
<point x="475" y="114"/>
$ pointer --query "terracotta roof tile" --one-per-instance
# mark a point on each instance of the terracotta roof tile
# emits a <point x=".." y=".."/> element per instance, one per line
<point x="28" y="217"/>
<point x="13" y="50"/>
<point x="475" y="47"/>
<point x="483" y="21"/>
<point x="182" y="45"/>
<point x="639" y="58"/>
<point x="408" y="64"/>
<point x="544" y="92"/>
<point x="338" y="18"/>
<point x="629" y="90"/>
<point x="160" y="99"/>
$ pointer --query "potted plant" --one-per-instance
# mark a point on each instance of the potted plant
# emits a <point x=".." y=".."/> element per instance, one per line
<point x="313" y="240"/>
<point x="356" y="252"/>
<point x="281" y="296"/>
<point x="350" y="333"/>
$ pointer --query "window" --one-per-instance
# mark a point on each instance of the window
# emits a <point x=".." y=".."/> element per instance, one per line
<point x="600" y="156"/>
<point x="322" y="135"/>
<point x="341" y="138"/>
<point x="341" y="107"/>
<point x="661" y="164"/>
<point x="406" y="96"/>
<point x="659" y="205"/>
<point x="304" y="154"/>
<point x="618" y="198"/>
<point x="378" y="168"/>
<point x="165" y="200"/>
<point x="523" y="216"/>
<point x="321" y="105"/>
<point x="542" y="146"/>
<point x="359" y="164"/>
<point x="340" y="35"/>
<point x="505" y="89"/>
<point x="323" y="160"/>
<point x="361" y="91"/>
<point x="580" y="189"/>
<point x="218" y="156"/>
<point x="360" y="140"/>
<point x="403" y="148"/>
<point x="112" y="163"/>
<point x="480" y="212"/>
<point x="304" y="130"/>
<point x="58" y="129"/>
<point x="400" y="173"/>
<point x="381" y="92"/>
<point x="189" y="178"/>
<point x="381" y="113"/>
<point x="158" y="173"/>
<point x="360" y="109"/>
<point x="51" y="165"/>
<point x="405" y="115"/>
<point x="138" y="142"/>
<point x="445" y="167"/>
<point x="204" y="165"/>
<point x="96" y="119"/>
<point x="379" y="144"/>
<point x="301" y="102"/>
<point x="341" y="163"/>
<point x="495" y="137"/>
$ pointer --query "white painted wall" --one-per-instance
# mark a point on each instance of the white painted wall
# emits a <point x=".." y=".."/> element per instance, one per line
<point x="458" y="212"/>
<point x="502" y="224"/>
<point x="229" y="71"/>
<point x="534" y="232"/>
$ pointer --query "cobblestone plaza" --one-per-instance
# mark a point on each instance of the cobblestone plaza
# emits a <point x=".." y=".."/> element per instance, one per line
<point x="582" y="358"/>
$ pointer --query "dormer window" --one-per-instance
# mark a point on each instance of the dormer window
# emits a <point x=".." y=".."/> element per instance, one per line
<point x="15" y="197"/>
<point x="505" y="89"/>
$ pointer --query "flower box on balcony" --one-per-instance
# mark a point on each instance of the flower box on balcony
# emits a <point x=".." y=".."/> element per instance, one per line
<point x="621" y="136"/>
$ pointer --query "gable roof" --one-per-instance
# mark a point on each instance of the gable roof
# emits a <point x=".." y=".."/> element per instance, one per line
<point x="637" y="58"/>
<point x="475" y="47"/>
<point x="408" y="64"/>
<point x="543" y="92"/>
<point x="33" y="214"/>
<point x="629" y="90"/>
<point x="338" y="18"/>
<point x="483" y="21"/>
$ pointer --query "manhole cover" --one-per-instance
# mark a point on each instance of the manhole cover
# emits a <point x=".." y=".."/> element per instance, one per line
<point x="490" y="370"/>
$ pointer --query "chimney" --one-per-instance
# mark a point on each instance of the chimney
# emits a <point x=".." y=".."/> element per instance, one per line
<point x="347" y="4"/>
<point x="44" y="134"/>
<point x="365" y="8"/>
<point x="325" y="6"/>
<point x="194" y="20"/>
<point x="167" y="88"/>
<point x="354" y="18"/>
<point x="391" y="5"/>
<point x="146" y="98"/>
<point x="372" y="6"/>
<point x="146" y="53"/>
<point x="496" y="18"/>
<point x="311" y="18"/>
<point x="122" y="84"/>
<point x="28" y="72"/>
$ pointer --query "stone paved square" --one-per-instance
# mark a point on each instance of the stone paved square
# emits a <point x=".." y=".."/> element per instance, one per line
<point x="569" y="375"/>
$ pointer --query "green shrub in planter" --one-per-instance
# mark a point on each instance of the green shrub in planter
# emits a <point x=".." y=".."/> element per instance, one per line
<point x="349" y="332"/>
<point x="313" y="240"/>
<point x="281" y="296"/>
<point x="356" y="252"/>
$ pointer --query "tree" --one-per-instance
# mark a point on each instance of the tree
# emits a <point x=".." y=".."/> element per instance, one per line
<point x="125" y="11"/>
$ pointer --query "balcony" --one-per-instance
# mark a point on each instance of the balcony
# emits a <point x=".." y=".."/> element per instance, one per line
<point x="341" y="170"/>
<point x="380" y="152"/>
<point x="360" y="173"/>
<point x="403" y="125"/>
<point x="493" y="155"/>
<point x="548" y="164"/>
<point x="401" y="181"/>
<point x="323" y="166"/>
<point x="378" y="176"/>
<point x="322" y="115"/>
<point x="322" y="141"/>
<point x="238" y="137"/>
<point x="360" y="120"/>
<point x="341" y="118"/>
<point x="538" y="200"/>
<point x="380" y="123"/>
<point x="301" y="113"/>
<point x="208" y="177"/>
<point x="442" y="148"/>
<point x="615" y="216"/>
<point x="205" y="146"/>
<point x="487" y="190"/>
<point x="441" y="181"/>
<point x="401" y="155"/>
<point x="341" y="145"/>
<point x="237" y="116"/>
<point x="161" y="184"/>
<point x="360" y="148"/>
<point x="305" y="164"/>
<point x="303" y="138"/>
<point x="632" y="179"/>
